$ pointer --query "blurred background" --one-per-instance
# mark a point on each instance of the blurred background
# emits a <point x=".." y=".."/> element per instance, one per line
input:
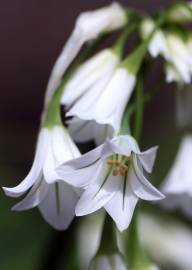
<point x="33" y="33"/>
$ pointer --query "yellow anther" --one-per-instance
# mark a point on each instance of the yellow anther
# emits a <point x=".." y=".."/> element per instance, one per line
<point x="111" y="162"/>
<point x="118" y="166"/>
<point x="115" y="172"/>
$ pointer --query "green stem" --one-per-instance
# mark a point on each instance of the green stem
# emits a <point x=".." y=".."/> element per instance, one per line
<point x="119" y="44"/>
<point x="108" y="243"/>
<point x="132" y="243"/>
<point x="139" y="103"/>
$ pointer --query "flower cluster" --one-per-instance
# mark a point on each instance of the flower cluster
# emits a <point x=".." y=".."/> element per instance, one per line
<point x="102" y="96"/>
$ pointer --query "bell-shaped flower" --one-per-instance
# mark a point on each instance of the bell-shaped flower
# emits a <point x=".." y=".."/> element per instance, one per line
<point x="112" y="176"/>
<point x="178" y="183"/>
<point x="89" y="73"/>
<point x="174" y="49"/>
<point x="168" y="241"/>
<point x="107" y="86"/>
<point x="108" y="262"/>
<point x="89" y="25"/>
<point x="107" y="99"/>
<point x="55" y="199"/>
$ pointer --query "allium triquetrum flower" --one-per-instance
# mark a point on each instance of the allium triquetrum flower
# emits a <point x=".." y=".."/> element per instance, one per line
<point x="55" y="199"/>
<point x="174" y="48"/>
<point x="178" y="183"/>
<point x="89" y="25"/>
<point x="112" y="176"/>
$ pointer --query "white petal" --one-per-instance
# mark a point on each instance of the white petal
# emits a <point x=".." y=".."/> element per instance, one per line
<point x="98" y="193"/>
<point x="121" y="206"/>
<point x="125" y="145"/>
<point x="141" y="186"/>
<point x="158" y="45"/>
<point x="106" y="101"/>
<point x="88" y="26"/>
<point x="81" y="130"/>
<point x="179" y="177"/>
<point x="88" y="74"/>
<point x="83" y="161"/>
<point x="65" y="58"/>
<point x="37" y="166"/>
<point x="78" y="177"/>
<point x="81" y="108"/>
<point x="58" y="207"/>
<point x="172" y="74"/>
<point x="147" y="158"/>
<point x="102" y="132"/>
<point x="60" y="150"/>
<point x="106" y="19"/>
<point x="34" y="197"/>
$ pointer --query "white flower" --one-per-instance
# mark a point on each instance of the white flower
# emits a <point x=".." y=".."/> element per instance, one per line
<point x="88" y="80"/>
<point x="55" y="199"/>
<point x="99" y="91"/>
<point x="181" y="12"/>
<point x="106" y="101"/>
<point x="108" y="262"/>
<point x="92" y="71"/>
<point x="179" y="56"/>
<point x="174" y="49"/>
<point x="112" y="176"/>
<point x="178" y="184"/>
<point x="167" y="241"/>
<point x="89" y="25"/>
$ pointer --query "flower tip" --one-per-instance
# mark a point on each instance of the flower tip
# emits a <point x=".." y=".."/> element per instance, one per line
<point x="9" y="191"/>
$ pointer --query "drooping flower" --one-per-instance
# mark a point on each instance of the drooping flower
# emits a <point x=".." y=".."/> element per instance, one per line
<point x="55" y="199"/>
<point x="178" y="183"/>
<point x="107" y="85"/>
<point x="89" y="25"/>
<point x="112" y="176"/>
<point x="175" y="50"/>
<point x="168" y="241"/>
<point x="108" y="262"/>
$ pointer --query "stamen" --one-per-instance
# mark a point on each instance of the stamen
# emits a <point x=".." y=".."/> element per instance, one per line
<point x="118" y="166"/>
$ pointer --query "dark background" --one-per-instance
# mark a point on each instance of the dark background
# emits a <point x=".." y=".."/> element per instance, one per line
<point x="33" y="33"/>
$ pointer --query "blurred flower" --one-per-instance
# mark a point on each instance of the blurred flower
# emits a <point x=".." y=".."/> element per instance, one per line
<point x="88" y="237"/>
<point x="178" y="184"/>
<point x="167" y="241"/>
<point x="183" y="107"/>
<point x="181" y="12"/>
<point x="150" y="267"/>
<point x="89" y="25"/>
<point x="175" y="50"/>
<point x="56" y="200"/>
<point x="112" y="176"/>
<point x="108" y="262"/>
